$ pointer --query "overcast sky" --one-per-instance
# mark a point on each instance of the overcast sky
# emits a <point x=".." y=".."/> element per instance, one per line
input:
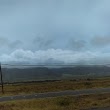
<point x="63" y="31"/>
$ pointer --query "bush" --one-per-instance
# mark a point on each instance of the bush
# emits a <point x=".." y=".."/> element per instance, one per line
<point x="63" y="102"/>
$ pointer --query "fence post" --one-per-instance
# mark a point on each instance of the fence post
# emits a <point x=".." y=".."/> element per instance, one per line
<point x="1" y="79"/>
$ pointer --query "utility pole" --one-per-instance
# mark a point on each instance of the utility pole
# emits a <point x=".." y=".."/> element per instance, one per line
<point x="1" y="79"/>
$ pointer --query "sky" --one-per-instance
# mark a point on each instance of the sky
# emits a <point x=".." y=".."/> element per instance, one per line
<point x="55" y="31"/>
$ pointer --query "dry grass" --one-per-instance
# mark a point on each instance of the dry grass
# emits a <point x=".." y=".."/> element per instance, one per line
<point x="59" y="103"/>
<point x="38" y="87"/>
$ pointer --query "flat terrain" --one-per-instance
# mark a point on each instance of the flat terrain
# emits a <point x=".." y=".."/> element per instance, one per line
<point x="56" y="94"/>
<point x="80" y="102"/>
<point x="104" y="108"/>
<point x="40" y="87"/>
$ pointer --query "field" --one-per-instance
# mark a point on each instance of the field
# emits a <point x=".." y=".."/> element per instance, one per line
<point x="59" y="103"/>
<point x="49" y="86"/>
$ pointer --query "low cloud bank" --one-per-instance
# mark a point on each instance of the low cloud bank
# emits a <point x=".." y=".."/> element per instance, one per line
<point x="55" y="56"/>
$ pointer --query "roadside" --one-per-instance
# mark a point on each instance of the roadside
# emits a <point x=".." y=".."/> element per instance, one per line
<point x="80" y="102"/>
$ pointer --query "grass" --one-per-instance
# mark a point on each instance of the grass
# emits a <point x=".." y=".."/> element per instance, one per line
<point x="40" y="87"/>
<point x="59" y="103"/>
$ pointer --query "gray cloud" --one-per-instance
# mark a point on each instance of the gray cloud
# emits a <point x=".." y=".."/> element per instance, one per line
<point x="52" y="56"/>
<point x="77" y="44"/>
<point x="43" y="41"/>
<point x="47" y="56"/>
<point x="65" y="24"/>
<point x="101" y="41"/>
<point x="6" y="45"/>
<point x="15" y="44"/>
<point x="3" y="41"/>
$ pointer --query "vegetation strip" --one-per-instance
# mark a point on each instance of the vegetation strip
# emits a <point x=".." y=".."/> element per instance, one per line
<point x="56" y="94"/>
<point x="41" y="87"/>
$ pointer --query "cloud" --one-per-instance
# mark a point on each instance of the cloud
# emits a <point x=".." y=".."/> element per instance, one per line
<point x="58" y="41"/>
<point x="101" y="41"/>
<point x="66" y="26"/>
<point x="15" y="44"/>
<point x="9" y="45"/>
<point x="77" y="44"/>
<point x="43" y="41"/>
<point x="51" y="56"/>
<point x="3" y="41"/>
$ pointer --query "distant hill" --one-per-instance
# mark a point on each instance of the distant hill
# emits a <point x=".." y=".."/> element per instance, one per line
<point x="44" y="73"/>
